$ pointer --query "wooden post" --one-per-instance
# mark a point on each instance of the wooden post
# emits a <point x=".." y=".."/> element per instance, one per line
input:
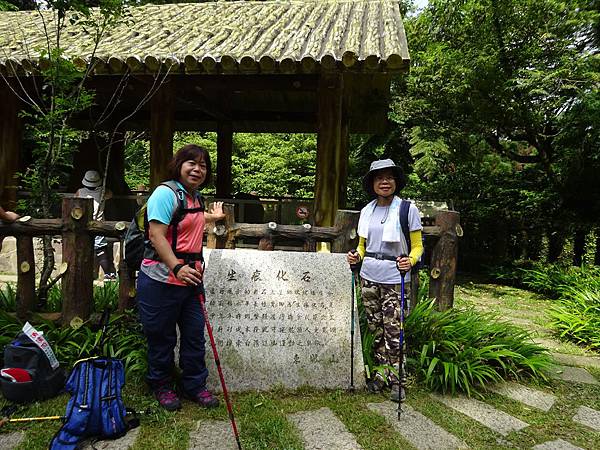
<point x="443" y="259"/>
<point x="414" y="289"/>
<point x="10" y="145"/>
<point x="78" y="253"/>
<point x="224" y="159"/>
<point x="126" y="283"/>
<point x="219" y="233"/>
<point x="347" y="222"/>
<point x="162" y="119"/>
<point x="332" y="151"/>
<point x="26" y="277"/>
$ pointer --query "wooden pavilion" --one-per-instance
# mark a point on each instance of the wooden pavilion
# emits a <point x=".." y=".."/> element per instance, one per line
<point x="323" y="67"/>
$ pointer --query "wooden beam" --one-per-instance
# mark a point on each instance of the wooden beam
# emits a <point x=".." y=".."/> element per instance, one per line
<point x="224" y="159"/>
<point x="332" y="151"/>
<point x="161" y="133"/>
<point x="11" y="130"/>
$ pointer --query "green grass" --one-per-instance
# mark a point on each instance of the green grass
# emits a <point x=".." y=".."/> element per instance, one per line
<point x="262" y="421"/>
<point x="261" y="418"/>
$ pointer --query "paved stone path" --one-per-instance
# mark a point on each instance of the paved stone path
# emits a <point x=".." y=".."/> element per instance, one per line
<point x="124" y="443"/>
<point x="558" y="444"/>
<point x="576" y="374"/>
<point x="322" y="430"/>
<point x="417" y="429"/>
<point x="523" y="394"/>
<point x="9" y="441"/>
<point x="211" y="435"/>
<point x="483" y="413"/>
<point x="588" y="416"/>
<point x="577" y="360"/>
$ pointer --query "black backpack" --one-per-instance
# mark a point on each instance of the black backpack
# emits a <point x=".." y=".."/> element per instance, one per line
<point x="39" y="380"/>
<point x="137" y="244"/>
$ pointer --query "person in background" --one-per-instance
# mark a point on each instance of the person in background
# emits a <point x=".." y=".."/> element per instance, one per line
<point x="8" y="217"/>
<point x="170" y="280"/>
<point x="381" y="244"/>
<point x="91" y="189"/>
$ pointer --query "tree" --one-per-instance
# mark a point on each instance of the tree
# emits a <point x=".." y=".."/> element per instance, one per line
<point x="505" y="87"/>
<point x="57" y="95"/>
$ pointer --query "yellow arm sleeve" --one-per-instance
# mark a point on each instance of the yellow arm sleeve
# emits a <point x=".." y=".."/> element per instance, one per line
<point x="416" y="246"/>
<point x="362" y="247"/>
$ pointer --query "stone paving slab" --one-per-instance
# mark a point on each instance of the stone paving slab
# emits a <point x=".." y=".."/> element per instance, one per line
<point x="9" y="441"/>
<point x="322" y="430"/>
<point x="558" y="444"/>
<point x="530" y="397"/>
<point x="577" y="360"/>
<point x="550" y="344"/>
<point x="588" y="416"/>
<point x="417" y="429"/>
<point x="124" y="443"/>
<point x="212" y="435"/>
<point x="576" y="374"/>
<point x="487" y="415"/>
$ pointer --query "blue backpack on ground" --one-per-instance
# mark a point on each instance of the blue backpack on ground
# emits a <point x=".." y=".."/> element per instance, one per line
<point x="96" y="408"/>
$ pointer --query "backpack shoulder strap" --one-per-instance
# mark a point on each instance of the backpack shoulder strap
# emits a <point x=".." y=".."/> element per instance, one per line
<point x="404" y="208"/>
<point x="179" y="193"/>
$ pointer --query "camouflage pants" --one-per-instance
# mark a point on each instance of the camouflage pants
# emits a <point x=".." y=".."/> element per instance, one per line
<point x="382" y="307"/>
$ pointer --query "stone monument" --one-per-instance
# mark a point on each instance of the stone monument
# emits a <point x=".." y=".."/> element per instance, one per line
<point x="281" y="319"/>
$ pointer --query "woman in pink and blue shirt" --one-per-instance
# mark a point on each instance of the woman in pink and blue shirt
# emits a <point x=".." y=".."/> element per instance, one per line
<point x="167" y="283"/>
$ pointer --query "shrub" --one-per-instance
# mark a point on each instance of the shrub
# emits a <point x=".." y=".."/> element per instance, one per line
<point x="124" y="340"/>
<point x="463" y="350"/>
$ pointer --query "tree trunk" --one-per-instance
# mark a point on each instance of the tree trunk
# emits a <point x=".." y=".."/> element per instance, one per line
<point x="579" y="246"/>
<point x="556" y="244"/>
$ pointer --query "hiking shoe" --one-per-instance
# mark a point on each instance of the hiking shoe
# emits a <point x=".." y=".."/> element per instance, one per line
<point x="375" y="385"/>
<point x="204" y="398"/>
<point x="167" y="398"/>
<point x="397" y="393"/>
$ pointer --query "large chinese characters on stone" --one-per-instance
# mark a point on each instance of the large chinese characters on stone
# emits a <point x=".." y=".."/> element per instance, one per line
<point x="281" y="319"/>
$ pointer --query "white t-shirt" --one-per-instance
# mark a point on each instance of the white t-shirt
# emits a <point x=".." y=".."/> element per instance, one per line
<point x="381" y="270"/>
<point x="99" y="241"/>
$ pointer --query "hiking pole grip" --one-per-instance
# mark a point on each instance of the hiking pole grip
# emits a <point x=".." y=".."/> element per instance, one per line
<point x="354" y="267"/>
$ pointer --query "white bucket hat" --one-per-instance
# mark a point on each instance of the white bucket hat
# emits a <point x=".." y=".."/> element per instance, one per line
<point x="91" y="179"/>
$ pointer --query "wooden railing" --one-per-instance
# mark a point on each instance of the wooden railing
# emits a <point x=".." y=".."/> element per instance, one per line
<point x="77" y="230"/>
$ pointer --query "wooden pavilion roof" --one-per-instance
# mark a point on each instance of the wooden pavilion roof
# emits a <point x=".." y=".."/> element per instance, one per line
<point x="290" y="37"/>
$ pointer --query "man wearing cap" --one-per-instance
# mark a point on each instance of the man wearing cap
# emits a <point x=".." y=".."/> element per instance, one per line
<point x="381" y="245"/>
<point x="91" y="189"/>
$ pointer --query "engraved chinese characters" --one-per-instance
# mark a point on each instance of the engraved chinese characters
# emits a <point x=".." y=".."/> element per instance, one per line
<point x="281" y="319"/>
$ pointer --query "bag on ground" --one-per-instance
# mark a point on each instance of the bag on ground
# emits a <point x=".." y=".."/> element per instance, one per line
<point x="31" y="371"/>
<point x="96" y="408"/>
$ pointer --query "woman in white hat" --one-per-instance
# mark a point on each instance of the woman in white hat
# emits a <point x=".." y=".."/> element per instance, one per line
<point x="91" y="189"/>
<point x="381" y="244"/>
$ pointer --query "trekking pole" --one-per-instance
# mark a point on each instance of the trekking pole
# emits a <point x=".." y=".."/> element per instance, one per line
<point x="202" y="297"/>
<point x="354" y="269"/>
<point x="401" y="367"/>
<point x="5" y="420"/>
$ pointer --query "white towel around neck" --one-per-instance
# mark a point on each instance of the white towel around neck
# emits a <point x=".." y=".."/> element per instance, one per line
<point x="391" y="227"/>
